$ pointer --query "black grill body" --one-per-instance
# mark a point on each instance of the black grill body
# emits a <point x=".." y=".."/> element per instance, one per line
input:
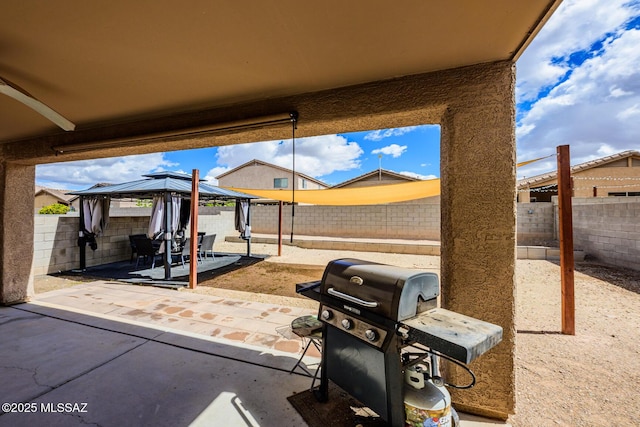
<point x="370" y="312"/>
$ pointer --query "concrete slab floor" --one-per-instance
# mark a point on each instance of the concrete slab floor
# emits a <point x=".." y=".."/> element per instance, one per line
<point x="149" y="356"/>
<point x="106" y="377"/>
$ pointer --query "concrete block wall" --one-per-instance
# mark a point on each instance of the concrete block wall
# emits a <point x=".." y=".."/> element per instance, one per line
<point x="535" y="223"/>
<point x="217" y="220"/>
<point x="56" y="242"/>
<point x="56" y="237"/>
<point x="397" y="221"/>
<point x="608" y="229"/>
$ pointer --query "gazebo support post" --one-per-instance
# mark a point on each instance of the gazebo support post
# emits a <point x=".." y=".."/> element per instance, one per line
<point x="249" y="227"/>
<point x="167" y="235"/>
<point x="82" y="242"/>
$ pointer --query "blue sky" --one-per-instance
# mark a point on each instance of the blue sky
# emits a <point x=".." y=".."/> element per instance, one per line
<point x="578" y="83"/>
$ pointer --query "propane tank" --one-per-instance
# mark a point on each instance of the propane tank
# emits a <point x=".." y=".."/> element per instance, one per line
<point x="427" y="402"/>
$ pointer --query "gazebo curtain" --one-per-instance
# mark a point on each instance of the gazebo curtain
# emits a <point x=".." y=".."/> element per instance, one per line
<point x="242" y="218"/>
<point x="158" y="214"/>
<point x="95" y="218"/>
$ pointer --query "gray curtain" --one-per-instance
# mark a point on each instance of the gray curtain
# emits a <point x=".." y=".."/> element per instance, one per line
<point x="242" y="217"/>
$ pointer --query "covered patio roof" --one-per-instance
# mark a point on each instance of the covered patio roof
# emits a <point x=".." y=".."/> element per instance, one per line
<point x="134" y="67"/>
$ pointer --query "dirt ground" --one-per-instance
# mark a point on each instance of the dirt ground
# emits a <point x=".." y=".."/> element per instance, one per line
<point x="589" y="379"/>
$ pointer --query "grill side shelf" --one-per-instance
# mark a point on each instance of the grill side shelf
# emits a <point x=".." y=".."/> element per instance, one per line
<point x="309" y="289"/>
<point x="456" y="335"/>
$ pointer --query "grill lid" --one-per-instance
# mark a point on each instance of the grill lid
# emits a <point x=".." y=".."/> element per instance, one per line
<point x="392" y="292"/>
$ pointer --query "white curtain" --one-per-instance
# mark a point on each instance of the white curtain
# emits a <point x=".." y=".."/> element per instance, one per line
<point x="156" y="223"/>
<point x="176" y="201"/>
<point x="96" y="214"/>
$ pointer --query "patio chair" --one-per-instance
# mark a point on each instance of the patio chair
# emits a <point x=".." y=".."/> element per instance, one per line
<point x="132" y="237"/>
<point x="145" y="249"/>
<point x="207" y="245"/>
<point x="185" y="251"/>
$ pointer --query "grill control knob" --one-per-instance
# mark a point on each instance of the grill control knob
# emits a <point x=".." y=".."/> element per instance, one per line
<point x="371" y="335"/>
<point x="347" y="323"/>
<point x="326" y="314"/>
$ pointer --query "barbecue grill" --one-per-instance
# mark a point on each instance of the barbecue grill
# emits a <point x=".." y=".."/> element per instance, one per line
<point x="371" y="312"/>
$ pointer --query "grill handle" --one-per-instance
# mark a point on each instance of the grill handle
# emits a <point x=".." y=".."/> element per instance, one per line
<point x="350" y="298"/>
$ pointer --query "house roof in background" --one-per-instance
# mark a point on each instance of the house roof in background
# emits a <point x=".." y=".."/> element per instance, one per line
<point x="602" y="161"/>
<point x="58" y="194"/>
<point x="384" y="172"/>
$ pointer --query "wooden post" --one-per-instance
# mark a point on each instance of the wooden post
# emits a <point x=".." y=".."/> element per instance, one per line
<point x="566" y="240"/>
<point x="280" y="228"/>
<point x="193" y="247"/>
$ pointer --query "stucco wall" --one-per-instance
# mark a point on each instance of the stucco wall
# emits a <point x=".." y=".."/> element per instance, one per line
<point x="44" y="199"/>
<point x="262" y="176"/>
<point x="623" y="177"/>
<point x="16" y="228"/>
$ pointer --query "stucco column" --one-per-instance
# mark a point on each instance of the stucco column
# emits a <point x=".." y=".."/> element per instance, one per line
<point x="479" y="229"/>
<point x="16" y="231"/>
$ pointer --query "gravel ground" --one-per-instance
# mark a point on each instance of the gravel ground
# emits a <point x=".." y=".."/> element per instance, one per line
<point x="589" y="379"/>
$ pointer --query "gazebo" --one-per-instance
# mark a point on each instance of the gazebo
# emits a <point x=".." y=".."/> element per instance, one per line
<point x="168" y="190"/>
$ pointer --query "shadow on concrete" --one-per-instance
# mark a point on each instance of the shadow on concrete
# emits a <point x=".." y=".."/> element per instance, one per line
<point x="63" y="368"/>
<point x="127" y="271"/>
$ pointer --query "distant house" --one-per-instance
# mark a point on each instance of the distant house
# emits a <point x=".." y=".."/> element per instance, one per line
<point x="48" y="196"/>
<point x="376" y="177"/>
<point x="384" y="177"/>
<point x="266" y="176"/>
<point x="617" y="175"/>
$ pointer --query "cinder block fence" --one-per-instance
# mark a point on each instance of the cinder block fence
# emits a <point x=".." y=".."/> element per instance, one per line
<point x="605" y="228"/>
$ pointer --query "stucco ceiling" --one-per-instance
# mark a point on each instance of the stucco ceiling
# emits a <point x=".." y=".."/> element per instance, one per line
<point x="102" y="62"/>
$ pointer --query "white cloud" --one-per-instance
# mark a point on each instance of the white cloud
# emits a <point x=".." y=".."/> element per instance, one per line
<point x="595" y="109"/>
<point x="394" y="150"/>
<point x="315" y="156"/>
<point x="210" y="177"/>
<point x="380" y="134"/>
<point x="616" y="92"/>
<point x="85" y="173"/>
<point x="575" y="26"/>
<point x="624" y="115"/>
<point x="417" y="175"/>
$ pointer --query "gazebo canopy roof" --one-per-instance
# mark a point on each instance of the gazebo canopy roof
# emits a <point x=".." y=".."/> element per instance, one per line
<point x="161" y="183"/>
